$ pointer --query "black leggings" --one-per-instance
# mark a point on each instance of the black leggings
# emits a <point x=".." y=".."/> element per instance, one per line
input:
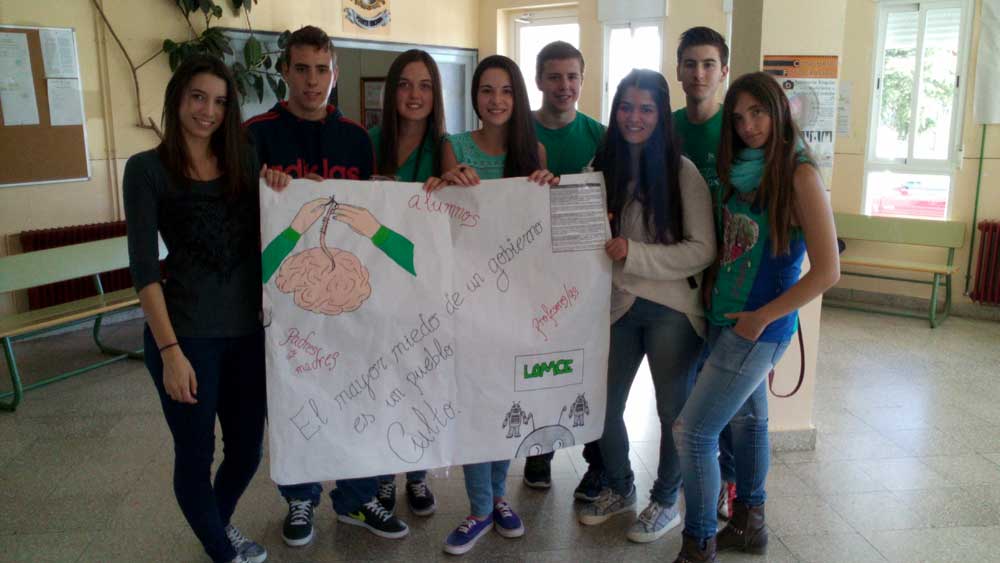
<point x="231" y="385"/>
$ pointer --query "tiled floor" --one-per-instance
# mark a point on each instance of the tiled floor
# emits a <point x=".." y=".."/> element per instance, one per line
<point x="906" y="468"/>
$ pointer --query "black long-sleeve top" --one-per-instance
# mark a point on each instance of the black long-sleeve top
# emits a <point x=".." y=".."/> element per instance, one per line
<point x="212" y="285"/>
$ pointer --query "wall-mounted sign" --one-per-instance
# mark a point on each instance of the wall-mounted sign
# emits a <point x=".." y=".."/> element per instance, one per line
<point x="810" y="82"/>
<point x="369" y="15"/>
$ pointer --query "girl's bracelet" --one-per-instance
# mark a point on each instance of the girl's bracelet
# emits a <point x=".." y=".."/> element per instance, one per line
<point x="168" y="346"/>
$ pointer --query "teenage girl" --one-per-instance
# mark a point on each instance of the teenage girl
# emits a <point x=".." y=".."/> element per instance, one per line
<point x="204" y="345"/>
<point x="408" y="147"/>
<point x="504" y="147"/>
<point x="774" y="210"/>
<point x="661" y="219"/>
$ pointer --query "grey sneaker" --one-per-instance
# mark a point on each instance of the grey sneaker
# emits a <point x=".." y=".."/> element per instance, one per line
<point x="608" y="504"/>
<point x="653" y="522"/>
<point x="245" y="547"/>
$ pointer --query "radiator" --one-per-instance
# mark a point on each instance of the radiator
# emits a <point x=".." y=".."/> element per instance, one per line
<point x="986" y="290"/>
<point x="71" y="290"/>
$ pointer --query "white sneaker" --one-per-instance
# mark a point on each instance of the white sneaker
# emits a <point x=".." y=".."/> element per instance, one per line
<point x="608" y="504"/>
<point x="653" y="522"/>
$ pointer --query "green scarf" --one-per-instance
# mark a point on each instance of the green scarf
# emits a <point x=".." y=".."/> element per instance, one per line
<point x="748" y="169"/>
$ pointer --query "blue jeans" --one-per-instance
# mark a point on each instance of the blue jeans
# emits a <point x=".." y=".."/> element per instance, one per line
<point x="727" y="464"/>
<point x="672" y="346"/>
<point x="731" y="388"/>
<point x="411" y="476"/>
<point x="348" y="497"/>
<point x="484" y="482"/>
<point x="231" y="386"/>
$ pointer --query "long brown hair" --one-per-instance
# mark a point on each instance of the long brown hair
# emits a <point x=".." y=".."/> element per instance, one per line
<point x="522" y="143"/>
<point x="658" y="186"/>
<point x="229" y="141"/>
<point x="389" y="142"/>
<point x="783" y="151"/>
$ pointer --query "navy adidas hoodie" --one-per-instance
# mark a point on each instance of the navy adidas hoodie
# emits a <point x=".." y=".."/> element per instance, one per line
<point x="334" y="147"/>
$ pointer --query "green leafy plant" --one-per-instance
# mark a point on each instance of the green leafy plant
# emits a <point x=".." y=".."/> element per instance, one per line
<point x="257" y="68"/>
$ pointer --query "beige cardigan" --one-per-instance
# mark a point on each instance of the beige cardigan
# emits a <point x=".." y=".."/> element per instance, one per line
<point x="660" y="272"/>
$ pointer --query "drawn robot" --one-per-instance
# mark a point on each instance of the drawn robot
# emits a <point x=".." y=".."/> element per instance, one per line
<point x="546" y="439"/>
<point x="514" y="419"/>
<point x="578" y="409"/>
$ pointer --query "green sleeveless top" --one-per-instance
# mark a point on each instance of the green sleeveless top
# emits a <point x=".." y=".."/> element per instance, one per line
<point x="468" y="152"/>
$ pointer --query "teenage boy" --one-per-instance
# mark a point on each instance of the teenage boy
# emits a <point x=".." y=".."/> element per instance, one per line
<point x="307" y="138"/>
<point x="570" y="139"/>
<point x="702" y="68"/>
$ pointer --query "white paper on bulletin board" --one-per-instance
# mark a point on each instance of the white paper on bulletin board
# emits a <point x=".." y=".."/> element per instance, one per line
<point x="65" y="105"/>
<point x="17" y="88"/>
<point x="59" y="53"/>
<point x="428" y="330"/>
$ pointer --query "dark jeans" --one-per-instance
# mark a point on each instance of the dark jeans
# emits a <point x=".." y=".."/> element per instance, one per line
<point x="348" y="497"/>
<point x="411" y="477"/>
<point x="591" y="454"/>
<point x="231" y="386"/>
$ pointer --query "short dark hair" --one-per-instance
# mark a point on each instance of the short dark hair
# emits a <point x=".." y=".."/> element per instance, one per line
<point x="557" y="51"/>
<point x="308" y="35"/>
<point x="698" y="36"/>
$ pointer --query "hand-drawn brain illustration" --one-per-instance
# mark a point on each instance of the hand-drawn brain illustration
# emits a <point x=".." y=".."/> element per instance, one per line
<point x="328" y="281"/>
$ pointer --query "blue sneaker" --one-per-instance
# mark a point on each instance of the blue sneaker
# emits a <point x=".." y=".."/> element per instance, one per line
<point x="508" y="523"/>
<point x="464" y="537"/>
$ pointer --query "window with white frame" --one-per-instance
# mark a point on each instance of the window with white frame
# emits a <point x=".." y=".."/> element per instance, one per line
<point x="628" y="45"/>
<point x="532" y="30"/>
<point x="914" y="142"/>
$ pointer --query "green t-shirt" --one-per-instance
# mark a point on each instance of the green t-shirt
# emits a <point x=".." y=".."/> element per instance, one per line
<point x="701" y="143"/>
<point x="410" y="171"/>
<point x="569" y="149"/>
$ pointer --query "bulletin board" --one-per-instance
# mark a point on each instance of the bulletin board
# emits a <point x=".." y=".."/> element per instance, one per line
<point x="43" y="137"/>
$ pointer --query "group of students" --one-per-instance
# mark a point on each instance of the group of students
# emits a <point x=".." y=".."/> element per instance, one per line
<point x="711" y="209"/>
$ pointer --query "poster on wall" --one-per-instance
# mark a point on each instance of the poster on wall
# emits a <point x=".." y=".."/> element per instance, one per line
<point x="372" y="89"/>
<point x="409" y="330"/>
<point x="372" y="16"/>
<point x="810" y="82"/>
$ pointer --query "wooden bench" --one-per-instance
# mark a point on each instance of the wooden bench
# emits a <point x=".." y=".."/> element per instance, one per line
<point x="32" y="269"/>
<point x="948" y="235"/>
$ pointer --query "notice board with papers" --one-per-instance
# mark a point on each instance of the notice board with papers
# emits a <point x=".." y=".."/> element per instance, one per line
<point x="42" y="126"/>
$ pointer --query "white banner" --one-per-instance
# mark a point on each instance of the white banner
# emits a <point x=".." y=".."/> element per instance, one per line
<point x="408" y="330"/>
<point x="987" y="104"/>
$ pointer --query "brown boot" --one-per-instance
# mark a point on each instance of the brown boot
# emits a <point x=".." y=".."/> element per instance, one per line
<point x="745" y="530"/>
<point x="692" y="552"/>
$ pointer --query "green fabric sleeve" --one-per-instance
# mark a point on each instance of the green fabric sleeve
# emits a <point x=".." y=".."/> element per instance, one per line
<point x="395" y="246"/>
<point x="276" y="251"/>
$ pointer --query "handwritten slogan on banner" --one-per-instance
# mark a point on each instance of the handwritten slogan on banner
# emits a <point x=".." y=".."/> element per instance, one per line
<point x="408" y="330"/>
